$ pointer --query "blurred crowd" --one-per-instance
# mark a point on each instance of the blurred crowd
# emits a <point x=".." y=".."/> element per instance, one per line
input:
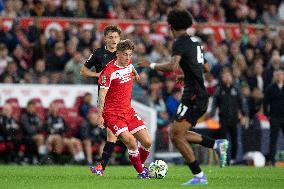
<point x="31" y="56"/>
<point x="267" y="12"/>
<point x="53" y="135"/>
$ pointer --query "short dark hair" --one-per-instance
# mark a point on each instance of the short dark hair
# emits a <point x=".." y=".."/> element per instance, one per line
<point x="125" y="45"/>
<point x="112" y="28"/>
<point x="179" y="19"/>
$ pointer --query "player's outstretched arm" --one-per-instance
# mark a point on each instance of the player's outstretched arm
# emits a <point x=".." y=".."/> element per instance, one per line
<point x="164" y="67"/>
<point x="101" y="103"/>
<point x="84" y="71"/>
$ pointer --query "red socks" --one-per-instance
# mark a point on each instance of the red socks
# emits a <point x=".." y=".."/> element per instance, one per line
<point x="144" y="153"/>
<point x="134" y="157"/>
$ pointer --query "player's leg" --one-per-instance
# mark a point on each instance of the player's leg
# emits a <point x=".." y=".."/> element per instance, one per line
<point x="219" y="145"/>
<point x="106" y="154"/>
<point x="137" y="127"/>
<point x="185" y="119"/>
<point x="108" y="148"/>
<point x="101" y="148"/>
<point x="134" y="156"/>
<point x="145" y="144"/>
<point x="178" y="134"/>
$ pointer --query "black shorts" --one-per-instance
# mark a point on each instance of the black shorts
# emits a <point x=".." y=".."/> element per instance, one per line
<point x="192" y="111"/>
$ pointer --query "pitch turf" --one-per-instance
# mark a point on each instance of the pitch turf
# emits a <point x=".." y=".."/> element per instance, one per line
<point x="79" y="177"/>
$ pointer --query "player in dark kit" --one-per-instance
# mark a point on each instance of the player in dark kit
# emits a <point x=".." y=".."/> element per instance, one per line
<point x="187" y="53"/>
<point x="99" y="59"/>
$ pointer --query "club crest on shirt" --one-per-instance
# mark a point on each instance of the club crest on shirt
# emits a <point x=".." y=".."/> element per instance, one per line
<point x="104" y="79"/>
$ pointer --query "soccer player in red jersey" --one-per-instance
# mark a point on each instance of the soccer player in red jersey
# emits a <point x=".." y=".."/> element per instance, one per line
<point x="98" y="60"/>
<point x="115" y="111"/>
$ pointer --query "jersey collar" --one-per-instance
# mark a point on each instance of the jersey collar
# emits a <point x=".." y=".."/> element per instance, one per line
<point x="108" y="50"/>
<point x="115" y="63"/>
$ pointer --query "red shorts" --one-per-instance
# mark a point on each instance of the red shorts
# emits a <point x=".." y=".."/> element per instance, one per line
<point x="119" y="123"/>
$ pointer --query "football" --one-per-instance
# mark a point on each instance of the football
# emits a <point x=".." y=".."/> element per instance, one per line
<point x="158" y="169"/>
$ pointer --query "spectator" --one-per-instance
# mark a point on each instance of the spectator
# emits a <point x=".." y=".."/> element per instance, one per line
<point x="4" y="57"/>
<point x="32" y="130"/>
<point x="74" y="66"/>
<point x="64" y="10"/>
<point x="281" y="12"/>
<point x="270" y="16"/>
<point x="230" y="10"/>
<point x="253" y="18"/>
<point x="40" y="48"/>
<point x="19" y="36"/>
<point x="39" y="70"/>
<point x="57" y="61"/>
<point x="51" y="9"/>
<point x="86" y="39"/>
<point x="173" y="101"/>
<point x="140" y="88"/>
<point x="273" y="108"/>
<point x="96" y="9"/>
<point x="34" y="31"/>
<point x="12" y="70"/>
<point x="37" y="8"/>
<point x="222" y="63"/>
<point x="157" y="102"/>
<point x="20" y="58"/>
<point x="55" y="127"/>
<point x="80" y="11"/>
<point x="10" y="134"/>
<point x="210" y="83"/>
<point x="274" y="65"/>
<point x="86" y="105"/>
<point x="169" y="87"/>
<point x="9" y="10"/>
<point x="92" y="136"/>
<point x="27" y="78"/>
<point x="230" y="103"/>
<point x="257" y="80"/>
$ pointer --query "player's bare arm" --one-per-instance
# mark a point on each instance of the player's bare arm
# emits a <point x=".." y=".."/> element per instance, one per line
<point x="88" y="73"/>
<point x="164" y="67"/>
<point x="101" y="103"/>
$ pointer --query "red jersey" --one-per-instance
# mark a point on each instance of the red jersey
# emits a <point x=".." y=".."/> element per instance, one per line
<point x="118" y="80"/>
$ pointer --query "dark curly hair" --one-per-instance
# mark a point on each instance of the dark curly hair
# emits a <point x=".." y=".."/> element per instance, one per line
<point x="179" y="19"/>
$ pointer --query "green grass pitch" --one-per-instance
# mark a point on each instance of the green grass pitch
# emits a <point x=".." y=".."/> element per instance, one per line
<point x="124" y="177"/>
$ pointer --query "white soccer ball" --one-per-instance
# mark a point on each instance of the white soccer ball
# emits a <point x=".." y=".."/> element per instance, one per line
<point x="158" y="169"/>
